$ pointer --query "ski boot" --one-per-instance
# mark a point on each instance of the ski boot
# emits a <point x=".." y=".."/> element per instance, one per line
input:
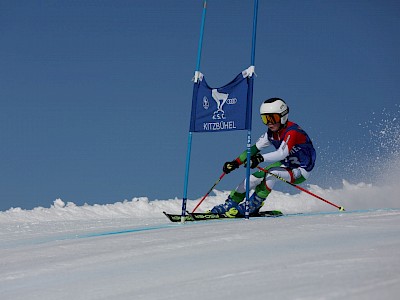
<point x="228" y="208"/>
<point x="255" y="203"/>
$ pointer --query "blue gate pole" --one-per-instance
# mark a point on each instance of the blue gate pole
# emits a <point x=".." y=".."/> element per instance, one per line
<point x="250" y="107"/>
<point x="189" y="147"/>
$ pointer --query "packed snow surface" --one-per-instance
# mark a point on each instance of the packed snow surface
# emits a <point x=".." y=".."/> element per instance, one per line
<point x="130" y="250"/>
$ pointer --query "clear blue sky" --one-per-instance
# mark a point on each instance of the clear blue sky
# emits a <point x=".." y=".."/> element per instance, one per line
<point x="95" y="95"/>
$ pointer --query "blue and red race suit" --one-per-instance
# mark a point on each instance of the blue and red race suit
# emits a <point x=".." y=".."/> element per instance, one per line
<point x="294" y="148"/>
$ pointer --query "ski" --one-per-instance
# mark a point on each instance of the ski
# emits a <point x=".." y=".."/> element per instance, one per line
<point x="211" y="216"/>
<point x="177" y="217"/>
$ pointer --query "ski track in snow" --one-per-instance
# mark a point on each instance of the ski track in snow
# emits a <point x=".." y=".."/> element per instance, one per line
<point x="130" y="250"/>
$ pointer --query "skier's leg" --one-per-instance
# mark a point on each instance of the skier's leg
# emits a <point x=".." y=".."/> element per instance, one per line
<point x="237" y="195"/>
<point x="261" y="192"/>
<point x="264" y="188"/>
<point x="295" y="176"/>
<point x="256" y="200"/>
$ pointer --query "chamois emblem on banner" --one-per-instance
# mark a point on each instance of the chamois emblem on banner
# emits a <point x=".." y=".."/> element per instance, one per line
<point x="220" y="99"/>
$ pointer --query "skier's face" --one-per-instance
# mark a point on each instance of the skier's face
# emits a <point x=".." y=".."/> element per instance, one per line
<point x="274" y="127"/>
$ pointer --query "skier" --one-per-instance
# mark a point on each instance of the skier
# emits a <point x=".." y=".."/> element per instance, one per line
<point x="292" y="160"/>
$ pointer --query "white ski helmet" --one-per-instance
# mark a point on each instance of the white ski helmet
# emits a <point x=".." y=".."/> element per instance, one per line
<point x="274" y="110"/>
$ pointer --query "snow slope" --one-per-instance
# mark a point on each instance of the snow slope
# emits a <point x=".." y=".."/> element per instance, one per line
<point x="129" y="250"/>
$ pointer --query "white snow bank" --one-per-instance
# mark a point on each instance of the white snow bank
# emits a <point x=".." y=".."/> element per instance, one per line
<point x="351" y="196"/>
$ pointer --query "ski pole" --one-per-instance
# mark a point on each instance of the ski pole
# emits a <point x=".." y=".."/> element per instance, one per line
<point x="205" y="196"/>
<point x="341" y="208"/>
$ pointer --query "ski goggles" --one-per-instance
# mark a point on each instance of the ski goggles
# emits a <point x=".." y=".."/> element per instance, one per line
<point x="271" y="118"/>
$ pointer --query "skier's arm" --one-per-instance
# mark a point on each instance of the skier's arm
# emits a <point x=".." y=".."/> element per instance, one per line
<point x="229" y="166"/>
<point x="293" y="138"/>
<point x="280" y="154"/>
<point x="262" y="143"/>
<point x="243" y="156"/>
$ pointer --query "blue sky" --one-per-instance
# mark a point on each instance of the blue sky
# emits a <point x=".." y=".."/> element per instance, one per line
<point x="95" y="95"/>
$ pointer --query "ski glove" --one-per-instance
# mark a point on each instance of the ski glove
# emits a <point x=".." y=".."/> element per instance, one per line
<point x="255" y="160"/>
<point x="229" y="166"/>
